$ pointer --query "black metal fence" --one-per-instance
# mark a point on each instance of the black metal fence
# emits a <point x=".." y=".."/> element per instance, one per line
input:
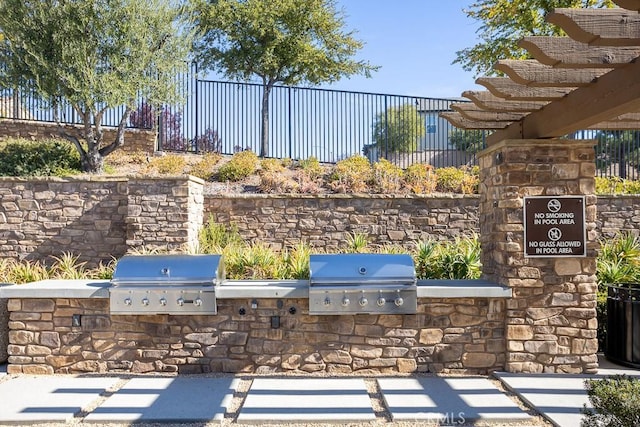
<point x="327" y="124"/>
<point x="330" y="125"/>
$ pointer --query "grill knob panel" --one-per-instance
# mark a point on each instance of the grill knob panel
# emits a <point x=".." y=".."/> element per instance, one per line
<point x="381" y="301"/>
<point x="180" y="302"/>
<point x="363" y="301"/>
<point x="399" y="301"/>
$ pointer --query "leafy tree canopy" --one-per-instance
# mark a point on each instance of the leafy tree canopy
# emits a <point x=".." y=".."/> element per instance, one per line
<point x="471" y="141"/>
<point x="398" y="129"/>
<point x="278" y="41"/>
<point x="504" y="22"/>
<point x="96" y="55"/>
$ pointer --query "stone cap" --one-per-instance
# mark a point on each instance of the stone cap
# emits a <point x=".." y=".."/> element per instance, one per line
<point x="234" y="289"/>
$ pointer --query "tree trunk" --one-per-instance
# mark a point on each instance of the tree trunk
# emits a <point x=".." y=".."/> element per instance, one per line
<point x="264" y="133"/>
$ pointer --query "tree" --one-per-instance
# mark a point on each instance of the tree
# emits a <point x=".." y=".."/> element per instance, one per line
<point x="504" y="22"/>
<point x="95" y="55"/>
<point x="471" y="141"/>
<point x="279" y="41"/>
<point x="398" y="129"/>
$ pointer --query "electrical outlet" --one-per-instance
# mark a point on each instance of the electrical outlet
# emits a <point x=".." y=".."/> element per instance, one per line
<point x="76" y="320"/>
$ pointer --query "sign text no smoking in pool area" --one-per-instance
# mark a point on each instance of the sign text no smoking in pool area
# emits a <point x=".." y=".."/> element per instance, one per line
<point x="554" y="226"/>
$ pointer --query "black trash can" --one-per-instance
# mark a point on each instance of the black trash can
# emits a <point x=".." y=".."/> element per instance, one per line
<point x="623" y="325"/>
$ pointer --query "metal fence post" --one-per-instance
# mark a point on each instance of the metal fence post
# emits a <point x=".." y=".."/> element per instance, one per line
<point x="289" y="120"/>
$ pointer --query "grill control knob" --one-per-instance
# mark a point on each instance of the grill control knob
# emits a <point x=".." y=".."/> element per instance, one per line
<point x="145" y="301"/>
<point x="163" y="301"/>
<point x="197" y="302"/>
<point x="345" y="301"/>
<point x="180" y="302"/>
<point x="327" y="301"/>
<point x="381" y="301"/>
<point x="399" y="301"/>
<point x="127" y="301"/>
<point x="363" y="301"/>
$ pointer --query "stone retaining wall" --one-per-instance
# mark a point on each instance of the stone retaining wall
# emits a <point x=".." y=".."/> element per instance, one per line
<point x="453" y="335"/>
<point x="134" y="139"/>
<point x="100" y="218"/>
<point x="97" y="219"/>
<point x="324" y="221"/>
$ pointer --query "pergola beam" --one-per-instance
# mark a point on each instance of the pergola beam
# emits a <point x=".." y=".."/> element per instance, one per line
<point x="616" y="93"/>
<point x="610" y="27"/>
<point x="503" y="87"/>
<point x="487" y="101"/>
<point x="628" y="4"/>
<point x="563" y="52"/>
<point x="471" y="111"/>
<point x="530" y="72"/>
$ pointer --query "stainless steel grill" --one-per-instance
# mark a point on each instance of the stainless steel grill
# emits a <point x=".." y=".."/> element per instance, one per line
<point x="362" y="283"/>
<point x="166" y="284"/>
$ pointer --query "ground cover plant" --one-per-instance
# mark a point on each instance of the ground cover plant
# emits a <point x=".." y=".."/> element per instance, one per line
<point x="615" y="401"/>
<point x="256" y="260"/>
<point x="55" y="157"/>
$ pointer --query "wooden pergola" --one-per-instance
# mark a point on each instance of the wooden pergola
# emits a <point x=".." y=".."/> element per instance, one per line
<point x="588" y="80"/>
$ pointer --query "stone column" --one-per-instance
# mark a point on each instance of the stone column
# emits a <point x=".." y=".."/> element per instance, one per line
<point x="164" y="213"/>
<point x="551" y="319"/>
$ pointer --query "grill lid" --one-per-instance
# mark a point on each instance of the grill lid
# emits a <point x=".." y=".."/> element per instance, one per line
<point x="158" y="270"/>
<point x="361" y="268"/>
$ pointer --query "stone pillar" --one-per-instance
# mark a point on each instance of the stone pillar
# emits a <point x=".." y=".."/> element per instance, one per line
<point x="551" y="319"/>
<point x="164" y="213"/>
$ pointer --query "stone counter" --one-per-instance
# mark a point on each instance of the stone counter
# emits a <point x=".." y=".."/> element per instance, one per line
<point x="66" y="327"/>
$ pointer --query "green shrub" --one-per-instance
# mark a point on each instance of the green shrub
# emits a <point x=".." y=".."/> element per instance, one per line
<point x="240" y="166"/>
<point x="38" y="158"/>
<point x="204" y="169"/>
<point x="357" y="243"/>
<point x="420" y="178"/>
<point x="311" y="168"/>
<point x="616" y="185"/>
<point x="448" y="260"/>
<point x="387" y="177"/>
<point x="457" y="180"/>
<point x="214" y="237"/>
<point x="351" y="175"/>
<point x="271" y="165"/>
<point x="171" y="164"/>
<point x="615" y="401"/>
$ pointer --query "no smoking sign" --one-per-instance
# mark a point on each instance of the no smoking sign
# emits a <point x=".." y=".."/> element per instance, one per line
<point x="554" y="226"/>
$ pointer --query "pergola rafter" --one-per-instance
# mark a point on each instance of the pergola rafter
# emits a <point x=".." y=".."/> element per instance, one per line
<point x="589" y="80"/>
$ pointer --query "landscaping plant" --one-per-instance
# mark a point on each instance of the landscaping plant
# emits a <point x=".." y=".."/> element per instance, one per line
<point x="615" y="401"/>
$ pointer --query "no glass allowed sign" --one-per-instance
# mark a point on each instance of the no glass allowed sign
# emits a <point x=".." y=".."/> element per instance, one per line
<point x="554" y="226"/>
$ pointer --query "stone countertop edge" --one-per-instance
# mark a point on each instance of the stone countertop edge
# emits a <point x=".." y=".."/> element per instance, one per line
<point x="235" y="289"/>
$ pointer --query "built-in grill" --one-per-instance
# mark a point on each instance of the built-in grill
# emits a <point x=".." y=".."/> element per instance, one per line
<point x="362" y="283"/>
<point x="166" y="284"/>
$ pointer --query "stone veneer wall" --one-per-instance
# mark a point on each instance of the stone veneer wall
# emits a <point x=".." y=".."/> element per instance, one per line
<point x="97" y="219"/>
<point x="134" y="139"/>
<point x="551" y="319"/>
<point x="324" y="221"/>
<point x="101" y="217"/>
<point x="164" y="213"/>
<point x="461" y="335"/>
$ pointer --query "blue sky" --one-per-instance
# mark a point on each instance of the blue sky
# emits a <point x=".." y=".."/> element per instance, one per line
<point x="414" y="42"/>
